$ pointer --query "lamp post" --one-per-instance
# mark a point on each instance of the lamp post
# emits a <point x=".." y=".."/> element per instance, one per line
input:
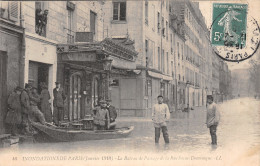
<point x="107" y="66"/>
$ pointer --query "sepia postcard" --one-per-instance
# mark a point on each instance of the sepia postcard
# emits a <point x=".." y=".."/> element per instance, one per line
<point x="130" y="82"/>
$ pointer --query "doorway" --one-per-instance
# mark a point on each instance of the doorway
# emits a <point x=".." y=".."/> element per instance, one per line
<point x="3" y="87"/>
<point x="38" y="74"/>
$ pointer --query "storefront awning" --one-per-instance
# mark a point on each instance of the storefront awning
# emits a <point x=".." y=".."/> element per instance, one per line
<point x="159" y="76"/>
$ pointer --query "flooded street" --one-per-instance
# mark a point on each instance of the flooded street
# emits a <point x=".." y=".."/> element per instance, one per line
<point x="238" y="138"/>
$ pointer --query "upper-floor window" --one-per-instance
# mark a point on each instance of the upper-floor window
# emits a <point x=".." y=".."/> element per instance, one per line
<point x="70" y="28"/>
<point x="41" y="16"/>
<point x="178" y="50"/>
<point x="163" y="28"/>
<point x="119" y="11"/>
<point x="9" y="10"/>
<point x="167" y="62"/>
<point x="163" y="62"/>
<point x="167" y="30"/>
<point x="158" y="22"/>
<point x="159" y="58"/>
<point x="93" y="17"/>
<point x="146" y="12"/>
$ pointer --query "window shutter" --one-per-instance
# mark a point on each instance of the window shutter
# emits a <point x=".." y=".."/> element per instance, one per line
<point x="13" y="11"/>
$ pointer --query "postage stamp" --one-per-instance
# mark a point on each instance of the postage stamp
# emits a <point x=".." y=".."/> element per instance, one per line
<point x="234" y="35"/>
<point x="229" y="27"/>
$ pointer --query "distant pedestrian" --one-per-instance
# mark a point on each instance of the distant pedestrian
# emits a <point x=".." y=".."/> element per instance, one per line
<point x="13" y="118"/>
<point x="58" y="103"/>
<point x="160" y="115"/>
<point x="45" y="104"/>
<point x="213" y="117"/>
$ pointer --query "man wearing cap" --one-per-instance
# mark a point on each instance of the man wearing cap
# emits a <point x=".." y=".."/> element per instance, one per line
<point x="25" y="102"/>
<point x="160" y="115"/>
<point x="58" y="103"/>
<point x="101" y="116"/>
<point x="213" y="117"/>
<point x="14" y="115"/>
<point x="35" y="114"/>
<point x="112" y="114"/>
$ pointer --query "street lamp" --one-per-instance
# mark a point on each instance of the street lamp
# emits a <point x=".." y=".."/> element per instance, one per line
<point x="107" y="66"/>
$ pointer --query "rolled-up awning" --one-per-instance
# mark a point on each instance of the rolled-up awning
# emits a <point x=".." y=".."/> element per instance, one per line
<point x="159" y="76"/>
<point x="123" y="64"/>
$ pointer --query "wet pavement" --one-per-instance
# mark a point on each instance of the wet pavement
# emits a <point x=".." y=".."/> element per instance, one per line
<point x="238" y="138"/>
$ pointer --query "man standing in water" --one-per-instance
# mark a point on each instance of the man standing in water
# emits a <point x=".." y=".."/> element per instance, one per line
<point x="160" y="115"/>
<point x="213" y="118"/>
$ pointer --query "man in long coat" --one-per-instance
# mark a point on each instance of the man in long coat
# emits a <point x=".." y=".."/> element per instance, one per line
<point x="25" y="102"/>
<point x="14" y="115"/>
<point x="58" y="104"/>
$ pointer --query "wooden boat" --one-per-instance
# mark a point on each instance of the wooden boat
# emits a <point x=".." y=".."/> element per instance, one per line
<point x="67" y="134"/>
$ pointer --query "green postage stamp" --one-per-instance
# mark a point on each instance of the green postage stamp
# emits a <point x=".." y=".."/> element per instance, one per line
<point x="229" y="25"/>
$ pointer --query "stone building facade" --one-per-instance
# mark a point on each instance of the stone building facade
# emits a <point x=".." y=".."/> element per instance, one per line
<point x="11" y="54"/>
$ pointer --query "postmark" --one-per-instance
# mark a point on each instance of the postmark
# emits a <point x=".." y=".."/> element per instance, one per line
<point x="234" y="35"/>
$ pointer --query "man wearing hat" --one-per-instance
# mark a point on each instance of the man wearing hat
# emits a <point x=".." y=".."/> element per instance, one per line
<point x="213" y="118"/>
<point x="14" y="115"/>
<point x="112" y="114"/>
<point x="25" y="102"/>
<point x="58" y="103"/>
<point x="101" y="116"/>
<point x="160" y="115"/>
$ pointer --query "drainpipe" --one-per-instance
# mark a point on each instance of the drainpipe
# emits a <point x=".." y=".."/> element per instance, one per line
<point x="22" y="56"/>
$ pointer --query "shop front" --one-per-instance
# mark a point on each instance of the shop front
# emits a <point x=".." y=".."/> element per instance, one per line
<point x="88" y="73"/>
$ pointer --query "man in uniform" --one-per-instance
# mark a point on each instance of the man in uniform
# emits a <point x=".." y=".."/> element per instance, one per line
<point x="25" y="102"/>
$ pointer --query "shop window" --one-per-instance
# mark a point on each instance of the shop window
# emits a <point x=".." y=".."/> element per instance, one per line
<point x="119" y="11"/>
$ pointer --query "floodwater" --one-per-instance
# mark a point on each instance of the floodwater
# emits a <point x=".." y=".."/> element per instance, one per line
<point x="238" y="139"/>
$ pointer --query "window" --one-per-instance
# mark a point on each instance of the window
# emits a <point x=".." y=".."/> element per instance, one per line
<point x="153" y="19"/>
<point x="159" y="58"/>
<point x="172" y="68"/>
<point x="119" y="11"/>
<point x="163" y="63"/>
<point x="163" y="28"/>
<point x="166" y="30"/>
<point x="41" y="15"/>
<point x="93" y="17"/>
<point x="9" y="10"/>
<point x="178" y="49"/>
<point x="70" y="33"/>
<point x="171" y="44"/>
<point x="146" y="52"/>
<point x="182" y="52"/>
<point x="146" y="12"/>
<point x="158" y="22"/>
<point x="167" y="62"/>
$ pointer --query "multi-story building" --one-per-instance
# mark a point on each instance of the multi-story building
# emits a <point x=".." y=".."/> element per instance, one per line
<point x="215" y="76"/>
<point x="147" y="22"/>
<point x="64" y="41"/>
<point x="196" y="46"/>
<point x="11" y="53"/>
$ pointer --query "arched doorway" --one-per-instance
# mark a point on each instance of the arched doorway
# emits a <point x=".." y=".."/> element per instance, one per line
<point x="75" y="96"/>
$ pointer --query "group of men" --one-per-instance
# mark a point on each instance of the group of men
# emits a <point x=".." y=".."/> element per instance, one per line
<point x="23" y="108"/>
<point x="104" y="116"/>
